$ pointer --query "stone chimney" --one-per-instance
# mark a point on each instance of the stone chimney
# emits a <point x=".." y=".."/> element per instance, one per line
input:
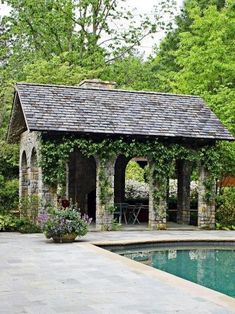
<point x="96" y="83"/>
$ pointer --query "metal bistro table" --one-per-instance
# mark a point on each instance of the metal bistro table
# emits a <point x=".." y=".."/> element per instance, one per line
<point x="130" y="213"/>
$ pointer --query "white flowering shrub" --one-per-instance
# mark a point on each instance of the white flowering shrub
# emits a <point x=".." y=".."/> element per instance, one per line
<point x="136" y="190"/>
<point x="140" y="190"/>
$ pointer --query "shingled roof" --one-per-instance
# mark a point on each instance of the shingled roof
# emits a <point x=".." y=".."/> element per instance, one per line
<point x="119" y="112"/>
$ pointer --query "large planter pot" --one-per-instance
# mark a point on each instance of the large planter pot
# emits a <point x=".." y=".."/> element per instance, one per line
<point x="66" y="238"/>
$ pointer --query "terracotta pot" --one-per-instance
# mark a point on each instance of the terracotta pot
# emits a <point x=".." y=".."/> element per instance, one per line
<point x="66" y="238"/>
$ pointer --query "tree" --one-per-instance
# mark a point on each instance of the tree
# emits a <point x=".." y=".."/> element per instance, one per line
<point x="164" y="65"/>
<point x="82" y="32"/>
<point x="206" y="62"/>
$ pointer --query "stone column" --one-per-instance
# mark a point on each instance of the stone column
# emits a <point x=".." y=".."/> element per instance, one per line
<point x="104" y="194"/>
<point x="34" y="195"/>
<point x="157" y="199"/>
<point x="184" y="170"/>
<point x="206" y="200"/>
<point x="24" y="191"/>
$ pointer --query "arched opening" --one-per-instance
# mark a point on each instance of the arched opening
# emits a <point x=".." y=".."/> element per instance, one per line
<point x="131" y="190"/>
<point x="34" y="200"/>
<point x="82" y="183"/>
<point x="184" y="191"/>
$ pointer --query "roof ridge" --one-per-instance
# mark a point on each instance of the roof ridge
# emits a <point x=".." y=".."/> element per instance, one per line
<point x="110" y="90"/>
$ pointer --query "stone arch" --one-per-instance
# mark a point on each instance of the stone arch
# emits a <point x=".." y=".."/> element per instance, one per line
<point x="82" y="182"/>
<point x="34" y="179"/>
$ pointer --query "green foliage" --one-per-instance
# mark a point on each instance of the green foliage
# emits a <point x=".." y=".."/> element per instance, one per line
<point x="8" y="223"/>
<point x="8" y="160"/>
<point x="57" y="71"/>
<point x="9" y="194"/>
<point x="130" y="73"/>
<point x="116" y="226"/>
<point x="225" y="213"/>
<point x="196" y="58"/>
<point x="8" y="171"/>
<point x="134" y="171"/>
<point x="56" y="153"/>
<point x="29" y="208"/>
<point x="207" y="65"/>
<point x="164" y="65"/>
<point x="25" y="225"/>
<point x="60" y="222"/>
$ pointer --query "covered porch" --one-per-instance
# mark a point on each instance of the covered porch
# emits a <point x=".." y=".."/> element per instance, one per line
<point x="97" y="187"/>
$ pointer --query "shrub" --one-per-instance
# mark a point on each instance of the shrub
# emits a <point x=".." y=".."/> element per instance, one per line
<point x="8" y="223"/>
<point x="136" y="190"/>
<point x="225" y="213"/>
<point x="140" y="190"/>
<point x="9" y="194"/>
<point x="24" y="225"/>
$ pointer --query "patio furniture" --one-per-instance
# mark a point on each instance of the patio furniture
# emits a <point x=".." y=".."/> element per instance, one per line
<point x="134" y="211"/>
<point x="121" y="211"/>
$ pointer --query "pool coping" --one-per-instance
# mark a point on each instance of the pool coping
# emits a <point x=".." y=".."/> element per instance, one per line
<point x="154" y="241"/>
<point x="190" y="287"/>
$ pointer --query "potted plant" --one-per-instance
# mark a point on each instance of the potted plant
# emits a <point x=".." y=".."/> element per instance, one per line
<point x="64" y="225"/>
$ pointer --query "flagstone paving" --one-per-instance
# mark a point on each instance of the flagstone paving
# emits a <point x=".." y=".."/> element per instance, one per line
<point x="38" y="276"/>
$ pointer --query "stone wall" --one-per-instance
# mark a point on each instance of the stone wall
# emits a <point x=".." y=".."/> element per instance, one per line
<point x="31" y="186"/>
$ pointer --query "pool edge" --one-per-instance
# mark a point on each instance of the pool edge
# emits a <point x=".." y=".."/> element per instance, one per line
<point x="192" y="288"/>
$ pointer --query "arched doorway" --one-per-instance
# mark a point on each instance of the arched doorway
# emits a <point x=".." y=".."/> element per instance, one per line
<point x="82" y="183"/>
<point x="131" y="190"/>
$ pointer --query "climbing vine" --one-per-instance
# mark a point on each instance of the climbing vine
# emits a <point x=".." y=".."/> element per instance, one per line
<point x="55" y="154"/>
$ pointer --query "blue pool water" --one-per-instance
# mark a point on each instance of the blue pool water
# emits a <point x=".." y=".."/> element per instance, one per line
<point x="208" y="266"/>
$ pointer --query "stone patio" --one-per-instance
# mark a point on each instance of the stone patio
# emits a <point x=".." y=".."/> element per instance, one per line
<point x="38" y="276"/>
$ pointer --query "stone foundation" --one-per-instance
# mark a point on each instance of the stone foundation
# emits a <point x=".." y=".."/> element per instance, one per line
<point x="32" y="190"/>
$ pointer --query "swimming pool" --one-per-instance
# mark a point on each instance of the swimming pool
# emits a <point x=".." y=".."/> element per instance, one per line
<point x="212" y="266"/>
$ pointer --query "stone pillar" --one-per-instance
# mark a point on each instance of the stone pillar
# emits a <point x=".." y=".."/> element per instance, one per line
<point x="24" y="185"/>
<point x="157" y="200"/>
<point x="34" y="192"/>
<point x="104" y="194"/>
<point x="184" y="170"/>
<point x="206" y="200"/>
<point x="119" y="179"/>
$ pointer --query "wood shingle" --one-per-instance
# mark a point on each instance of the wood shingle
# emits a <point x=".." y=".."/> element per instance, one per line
<point x="119" y="112"/>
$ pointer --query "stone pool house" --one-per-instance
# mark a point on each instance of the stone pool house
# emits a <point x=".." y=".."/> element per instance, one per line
<point x="96" y="110"/>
